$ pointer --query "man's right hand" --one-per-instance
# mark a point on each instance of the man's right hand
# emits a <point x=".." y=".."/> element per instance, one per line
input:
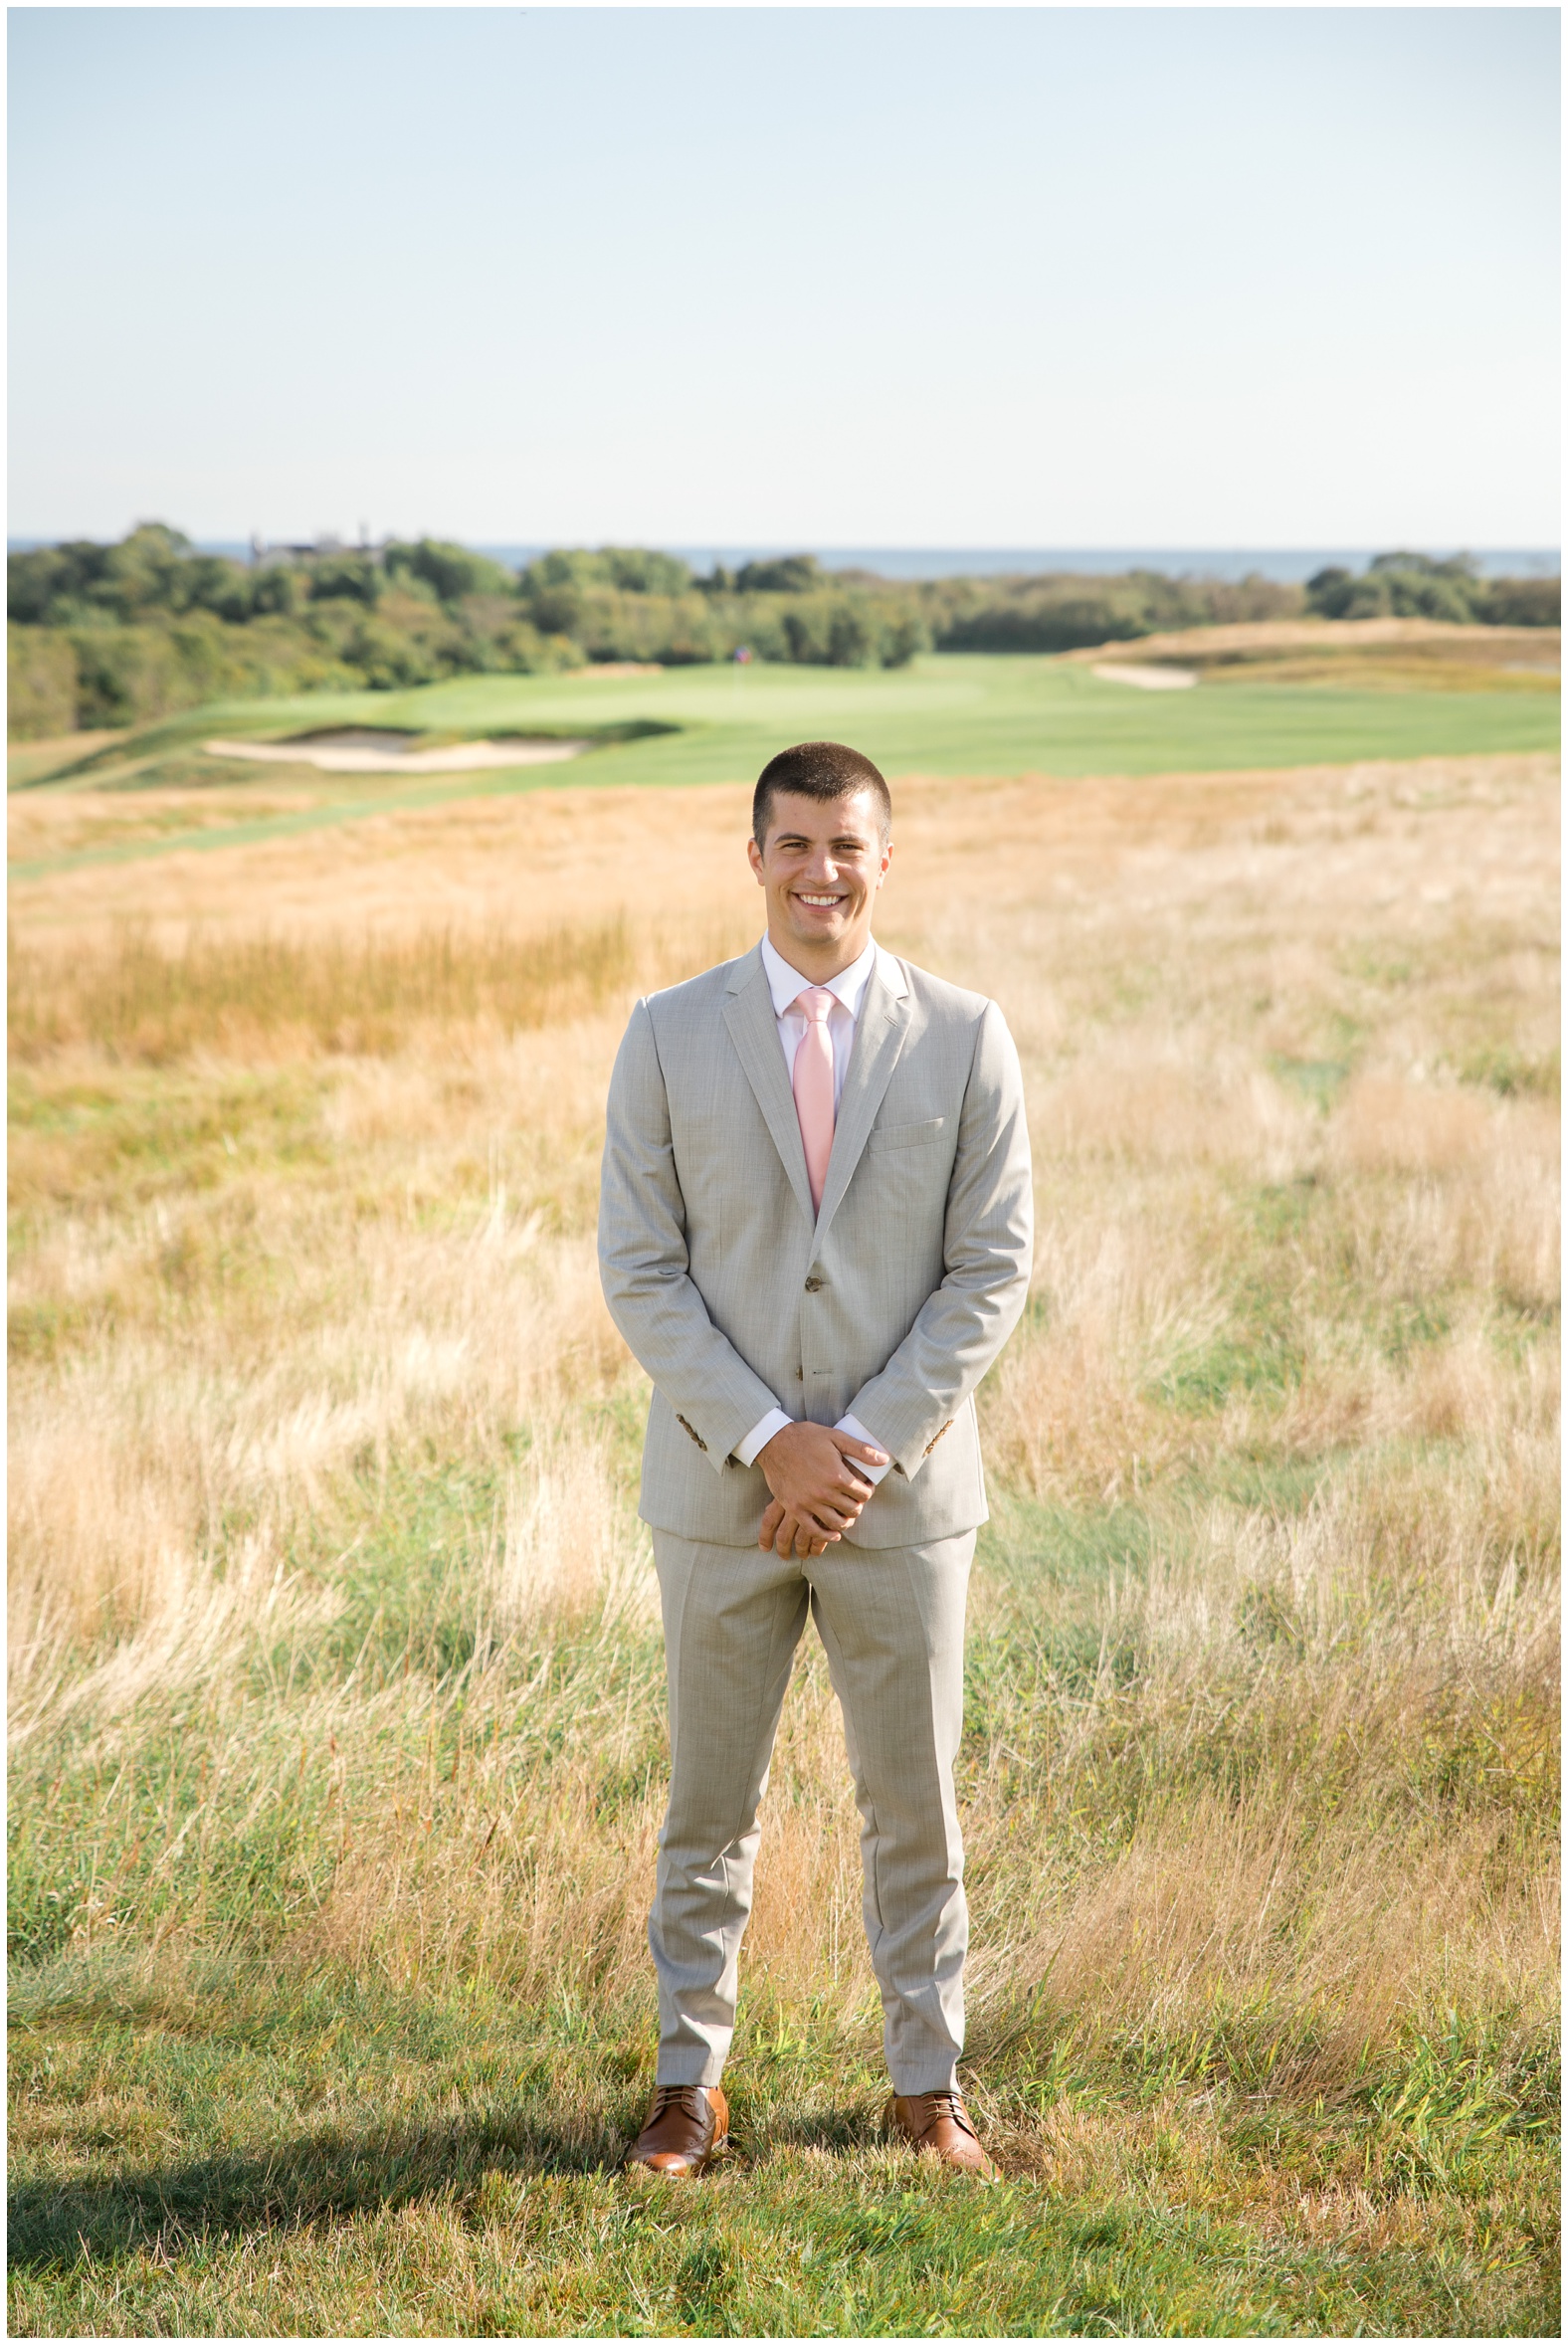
<point x="817" y="1492"/>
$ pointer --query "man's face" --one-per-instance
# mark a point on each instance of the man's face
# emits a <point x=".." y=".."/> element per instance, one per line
<point x="821" y="869"/>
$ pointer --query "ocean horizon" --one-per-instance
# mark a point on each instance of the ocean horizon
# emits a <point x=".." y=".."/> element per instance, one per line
<point x="1285" y="566"/>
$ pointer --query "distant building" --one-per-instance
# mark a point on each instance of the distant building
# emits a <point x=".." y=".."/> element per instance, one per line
<point x="322" y="549"/>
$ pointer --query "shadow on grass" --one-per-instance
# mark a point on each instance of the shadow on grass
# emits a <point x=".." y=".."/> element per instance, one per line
<point x="54" y="2226"/>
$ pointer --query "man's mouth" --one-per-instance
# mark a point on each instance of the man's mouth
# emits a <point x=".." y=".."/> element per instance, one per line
<point x="827" y="900"/>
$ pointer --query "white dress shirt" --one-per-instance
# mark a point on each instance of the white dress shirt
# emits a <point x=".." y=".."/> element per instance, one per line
<point x="849" y="990"/>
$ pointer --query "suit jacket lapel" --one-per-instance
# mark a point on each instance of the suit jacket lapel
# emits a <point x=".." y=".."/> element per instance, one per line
<point x="879" y="1038"/>
<point x="754" y="1029"/>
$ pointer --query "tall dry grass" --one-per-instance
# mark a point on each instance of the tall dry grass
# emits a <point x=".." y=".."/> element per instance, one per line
<point x="332" y="1635"/>
<point x="254" y="996"/>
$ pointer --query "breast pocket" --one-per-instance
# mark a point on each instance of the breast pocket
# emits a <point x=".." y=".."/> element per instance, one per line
<point x="906" y="1135"/>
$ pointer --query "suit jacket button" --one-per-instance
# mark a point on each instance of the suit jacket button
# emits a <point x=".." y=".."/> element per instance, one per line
<point x="811" y="1284"/>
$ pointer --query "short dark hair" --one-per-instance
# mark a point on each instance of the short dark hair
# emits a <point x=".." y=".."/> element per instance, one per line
<point x="823" y="770"/>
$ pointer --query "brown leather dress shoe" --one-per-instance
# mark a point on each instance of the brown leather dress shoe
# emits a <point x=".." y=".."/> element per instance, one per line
<point x="686" y="2127"/>
<point x="939" y="2126"/>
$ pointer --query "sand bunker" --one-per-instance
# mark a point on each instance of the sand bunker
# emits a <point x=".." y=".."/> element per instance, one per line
<point x="390" y="752"/>
<point x="1149" y="679"/>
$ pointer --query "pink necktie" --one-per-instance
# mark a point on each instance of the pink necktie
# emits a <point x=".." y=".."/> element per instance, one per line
<point x="813" y="1086"/>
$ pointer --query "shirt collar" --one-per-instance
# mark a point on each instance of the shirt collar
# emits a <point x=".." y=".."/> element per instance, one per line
<point x="785" y="983"/>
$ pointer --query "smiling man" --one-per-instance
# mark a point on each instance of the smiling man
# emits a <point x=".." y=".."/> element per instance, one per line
<point x="814" y="1233"/>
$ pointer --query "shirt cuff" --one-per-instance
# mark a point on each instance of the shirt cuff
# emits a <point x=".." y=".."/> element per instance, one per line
<point x="857" y="1432"/>
<point x="759" y="1437"/>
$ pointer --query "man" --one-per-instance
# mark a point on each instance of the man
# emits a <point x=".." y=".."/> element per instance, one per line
<point x="814" y="1233"/>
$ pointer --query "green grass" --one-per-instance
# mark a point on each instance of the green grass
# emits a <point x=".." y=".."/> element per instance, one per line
<point x="229" y="2142"/>
<point x="212" y="2133"/>
<point x="369" y="2164"/>
<point x="945" y="714"/>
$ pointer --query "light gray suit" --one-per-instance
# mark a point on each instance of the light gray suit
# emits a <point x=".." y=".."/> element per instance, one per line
<point x="890" y="1305"/>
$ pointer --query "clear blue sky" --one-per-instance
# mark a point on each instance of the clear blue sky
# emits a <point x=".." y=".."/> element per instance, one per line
<point x="874" y="276"/>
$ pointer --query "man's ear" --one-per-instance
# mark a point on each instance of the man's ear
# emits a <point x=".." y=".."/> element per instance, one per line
<point x="754" y="858"/>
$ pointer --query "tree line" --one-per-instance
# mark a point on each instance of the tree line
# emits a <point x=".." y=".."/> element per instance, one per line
<point x="1414" y="586"/>
<point x="108" y="635"/>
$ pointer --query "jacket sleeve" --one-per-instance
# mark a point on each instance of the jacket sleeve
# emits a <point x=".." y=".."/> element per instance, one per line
<point x="988" y="1247"/>
<point x="644" y="1265"/>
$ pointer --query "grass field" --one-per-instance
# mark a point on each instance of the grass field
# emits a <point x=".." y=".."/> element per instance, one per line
<point x="335" y="1679"/>
<point x="139" y="795"/>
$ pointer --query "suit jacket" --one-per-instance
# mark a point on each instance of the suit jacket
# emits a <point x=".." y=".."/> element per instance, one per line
<point x="891" y="1302"/>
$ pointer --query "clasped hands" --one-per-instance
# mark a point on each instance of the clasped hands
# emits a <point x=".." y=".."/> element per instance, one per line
<point x="817" y="1492"/>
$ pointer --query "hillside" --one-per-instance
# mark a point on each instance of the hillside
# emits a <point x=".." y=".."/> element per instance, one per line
<point x="337" y="1682"/>
<point x="1427" y="655"/>
<point x="180" y="784"/>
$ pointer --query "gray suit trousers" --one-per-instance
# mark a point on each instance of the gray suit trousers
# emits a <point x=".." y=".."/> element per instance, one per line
<point x="891" y="1621"/>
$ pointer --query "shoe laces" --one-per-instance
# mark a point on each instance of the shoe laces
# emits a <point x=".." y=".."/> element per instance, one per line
<point x="693" y="2098"/>
<point x="949" y="2104"/>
